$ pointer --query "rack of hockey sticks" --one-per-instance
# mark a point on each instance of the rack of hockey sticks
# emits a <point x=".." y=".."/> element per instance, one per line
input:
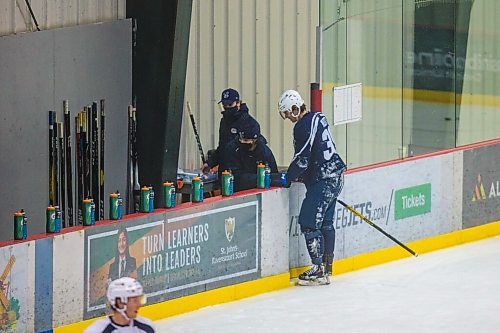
<point x="89" y="125"/>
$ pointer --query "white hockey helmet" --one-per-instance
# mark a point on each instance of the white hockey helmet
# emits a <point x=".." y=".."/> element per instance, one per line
<point x="287" y="100"/>
<point x="123" y="288"/>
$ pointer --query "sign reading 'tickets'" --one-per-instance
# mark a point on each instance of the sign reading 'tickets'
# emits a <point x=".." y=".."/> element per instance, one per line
<point x="412" y="201"/>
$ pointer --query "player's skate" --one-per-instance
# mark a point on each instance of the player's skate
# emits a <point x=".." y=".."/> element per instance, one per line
<point x="328" y="262"/>
<point x="314" y="276"/>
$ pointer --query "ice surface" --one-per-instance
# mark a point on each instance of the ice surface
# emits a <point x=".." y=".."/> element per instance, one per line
<point x="452" y="290"/>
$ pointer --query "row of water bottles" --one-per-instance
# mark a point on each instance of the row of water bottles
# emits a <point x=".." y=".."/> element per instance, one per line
<point x="263" y="179"/>
<point x="146" y="204"/>
<point x="53" y="216"/>
<point x="147" y="198"/>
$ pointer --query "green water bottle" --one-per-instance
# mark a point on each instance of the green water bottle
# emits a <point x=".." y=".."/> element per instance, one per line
<point x="88" y="212"/>
<point x="196" y="189"/>
<point x="261" y="176"/>
<point x="169" y="195"/>
<point x="50" y="219"/>
<point x="115" y="206"/>
<point x="144" y="202"/>
<point x="227" y="183"/>
<point x="18" y="225"/>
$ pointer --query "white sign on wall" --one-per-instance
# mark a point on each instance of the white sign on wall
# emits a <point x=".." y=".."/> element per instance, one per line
<point x="347" y="103"/>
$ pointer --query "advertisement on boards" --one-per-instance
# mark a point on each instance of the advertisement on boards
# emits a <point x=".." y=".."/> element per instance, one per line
<point x="175" y="253"/>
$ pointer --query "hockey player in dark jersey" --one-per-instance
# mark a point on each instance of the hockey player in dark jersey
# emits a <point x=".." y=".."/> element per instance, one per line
<point x="125" y="297"/>
<point x="317" y="164"/>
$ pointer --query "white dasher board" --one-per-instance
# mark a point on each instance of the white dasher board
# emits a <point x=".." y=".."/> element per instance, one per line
<point x="347" y="103"/>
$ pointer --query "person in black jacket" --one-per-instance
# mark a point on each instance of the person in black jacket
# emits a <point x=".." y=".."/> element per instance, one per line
<point x="245" y="153"/>
<point x="234" y="117"/>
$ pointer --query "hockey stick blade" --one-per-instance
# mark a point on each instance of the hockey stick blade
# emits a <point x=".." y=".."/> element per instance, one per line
<point x="355" y="212"/>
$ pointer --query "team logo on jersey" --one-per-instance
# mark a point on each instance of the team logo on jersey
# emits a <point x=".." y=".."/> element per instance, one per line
<point x="229" y="225"/>
<point x="234" y="130"/>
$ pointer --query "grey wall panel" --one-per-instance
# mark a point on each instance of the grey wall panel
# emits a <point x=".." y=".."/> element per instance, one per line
<point x="26" y="69"/>
<point x="98" y="66"/>
<point x="38" y="71"/>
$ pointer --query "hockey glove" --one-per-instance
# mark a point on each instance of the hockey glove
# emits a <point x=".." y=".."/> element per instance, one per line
<point x="277" y="180"/>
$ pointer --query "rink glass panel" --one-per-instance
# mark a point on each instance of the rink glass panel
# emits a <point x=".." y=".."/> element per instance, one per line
<point x="430" y="73"/>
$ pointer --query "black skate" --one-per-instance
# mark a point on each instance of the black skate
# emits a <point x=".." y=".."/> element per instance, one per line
<point x="328" y="269"/>
<point x="314" y="276"/>
<point x="328" y="262"/>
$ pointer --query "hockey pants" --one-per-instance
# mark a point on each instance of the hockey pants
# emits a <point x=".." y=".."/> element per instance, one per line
<point x="316" y="217"/>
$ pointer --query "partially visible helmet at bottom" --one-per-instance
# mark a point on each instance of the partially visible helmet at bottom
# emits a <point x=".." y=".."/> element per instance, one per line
<point x="123" y="288"/>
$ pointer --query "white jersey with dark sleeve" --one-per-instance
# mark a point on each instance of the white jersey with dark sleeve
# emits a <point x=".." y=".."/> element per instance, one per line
<point x="106" y="325"/>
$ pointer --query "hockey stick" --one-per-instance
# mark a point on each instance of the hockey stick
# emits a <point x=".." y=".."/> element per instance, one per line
<point x="377" y="227"/>
<point x="133" y="187"/>
<point x="135" y="162"/>
<point x="86" y="154"/>
<point x="81" y="158"/>
<point x="55" y="145"/>
<point x="101" y="166"/>
<point x="200" y="148"/>
<point x="69" y="169"/>
<point x="51" y="159"/>
<point x="130" y="174"/>
<point x="32" y="14"/>
<point x="62" y="173"/>
<point x="94" y="160"/>
<point x="79" y="164"/>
